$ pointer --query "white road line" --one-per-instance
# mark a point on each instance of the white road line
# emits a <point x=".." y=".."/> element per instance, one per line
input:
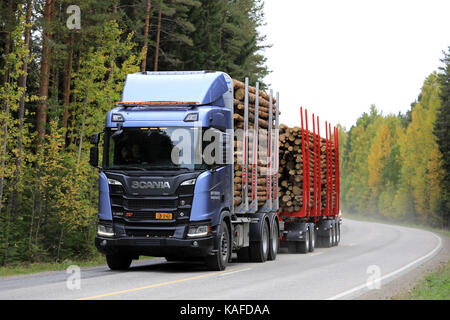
<point x="228" y="273"/>
<point x="345" y="293"/>
<point x="315" y="254"/>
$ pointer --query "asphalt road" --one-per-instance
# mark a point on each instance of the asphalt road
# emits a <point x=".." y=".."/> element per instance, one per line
<point x="369" y="256"/>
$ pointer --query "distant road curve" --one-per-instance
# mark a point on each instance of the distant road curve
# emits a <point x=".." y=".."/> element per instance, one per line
<point x="369" y="256"/>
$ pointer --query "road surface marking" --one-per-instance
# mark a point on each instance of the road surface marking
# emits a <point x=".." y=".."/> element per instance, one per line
<point x="160" y="284"/>
<point x="315" y="254"/>
<point x="345" y="293"/>
<point x="240" y="270"/>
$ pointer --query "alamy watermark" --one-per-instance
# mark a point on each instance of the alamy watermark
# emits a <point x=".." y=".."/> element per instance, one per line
<point x="74" y="20"/>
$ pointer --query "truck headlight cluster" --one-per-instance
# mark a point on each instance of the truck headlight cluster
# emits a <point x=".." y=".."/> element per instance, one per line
<point x="105" y="230"/>
<point x="199" y="231"/>
<point x="189" y="182"/>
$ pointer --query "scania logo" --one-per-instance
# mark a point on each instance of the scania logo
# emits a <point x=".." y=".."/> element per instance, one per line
<point x="150" y="185"/>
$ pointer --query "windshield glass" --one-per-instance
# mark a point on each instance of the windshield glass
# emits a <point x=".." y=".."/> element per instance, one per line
<point x="169" y="148"/>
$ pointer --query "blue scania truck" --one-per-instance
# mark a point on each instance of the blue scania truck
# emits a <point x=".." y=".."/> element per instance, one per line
<point x="153" y="204"/>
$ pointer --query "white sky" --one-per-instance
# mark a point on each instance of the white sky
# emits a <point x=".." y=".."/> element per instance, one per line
<point x="336" y="58"/>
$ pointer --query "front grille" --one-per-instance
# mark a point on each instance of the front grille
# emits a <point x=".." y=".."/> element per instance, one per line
<point x="149" y="233"/>
<point x="143" y="204"/>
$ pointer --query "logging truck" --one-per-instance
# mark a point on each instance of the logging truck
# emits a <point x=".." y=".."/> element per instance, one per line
<point x="190" y="170"/>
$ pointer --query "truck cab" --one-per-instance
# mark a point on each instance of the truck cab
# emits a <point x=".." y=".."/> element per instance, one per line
<point x="158" y="194"/>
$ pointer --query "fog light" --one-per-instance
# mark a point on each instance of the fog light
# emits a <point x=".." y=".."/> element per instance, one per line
<point x="195" y="244"/>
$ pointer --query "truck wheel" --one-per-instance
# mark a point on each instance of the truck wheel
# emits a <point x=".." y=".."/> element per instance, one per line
<point x="303" y="246"/>
<point x="259" y="250"/>
<point x="334" y="233"/>
<point x="312" y="239"/>
<point x="274" y="242"/>
<point x="338" y="232"/>
<point x="219" y="260"/>
<point x="118" y="262"/>
<point x="328" y="241"/>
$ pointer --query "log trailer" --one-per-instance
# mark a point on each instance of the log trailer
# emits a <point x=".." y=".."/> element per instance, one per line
<point x="167" y="179"/>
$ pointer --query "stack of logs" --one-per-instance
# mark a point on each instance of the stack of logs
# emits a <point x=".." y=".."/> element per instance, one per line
<point x="291" y="174"/>
<point x="263" y="120"/>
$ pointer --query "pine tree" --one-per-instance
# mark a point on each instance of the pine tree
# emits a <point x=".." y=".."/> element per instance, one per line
<point x="442" y="132"/>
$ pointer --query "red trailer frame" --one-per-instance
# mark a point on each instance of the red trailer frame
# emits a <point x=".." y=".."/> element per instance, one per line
<point x="331" y="209"/>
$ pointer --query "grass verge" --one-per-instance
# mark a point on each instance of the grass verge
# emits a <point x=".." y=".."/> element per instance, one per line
<point x="30" y="268"/>
<point x="435" y="286"/>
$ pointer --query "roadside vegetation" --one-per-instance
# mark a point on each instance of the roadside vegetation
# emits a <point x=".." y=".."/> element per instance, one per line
<point x="435" y="286"/>
<point x="397" y="167"/>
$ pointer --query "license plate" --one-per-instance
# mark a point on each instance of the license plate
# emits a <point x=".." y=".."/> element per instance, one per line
<point x="163" y="216"/>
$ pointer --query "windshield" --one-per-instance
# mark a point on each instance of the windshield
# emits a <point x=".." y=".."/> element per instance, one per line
<point x="170" y="148"/>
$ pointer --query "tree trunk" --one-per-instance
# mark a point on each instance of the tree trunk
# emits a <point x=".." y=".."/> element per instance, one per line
<point x="22" y="84"/>
<point x="146" y="26"/>
<point x="45" y="71"/>
<point x="67" y="81"/>
<point x="158" y="34"/>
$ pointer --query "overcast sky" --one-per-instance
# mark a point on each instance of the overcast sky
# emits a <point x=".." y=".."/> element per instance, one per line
<point x="336" y="58"/>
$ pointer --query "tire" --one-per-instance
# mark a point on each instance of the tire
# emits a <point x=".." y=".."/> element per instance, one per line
<point x="328" y="240"/>
<point x="303" y="246"/>
<point x="312" y="239"/>
<point x="118" y="262"/>
<point x="338" y="233"/>
<point x="274" y="242"/>
<point x="219" y="260"/>
<point x="259" y="250"/>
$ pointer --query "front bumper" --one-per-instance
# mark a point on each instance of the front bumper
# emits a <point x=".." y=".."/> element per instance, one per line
<point x="156" y="246"/>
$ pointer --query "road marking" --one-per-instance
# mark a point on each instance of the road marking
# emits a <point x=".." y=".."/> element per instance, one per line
<point x="161" y="284"/>
<point x="240" y="270"/>
<point x="315" y="254"/>
<point x="345" y="293"/>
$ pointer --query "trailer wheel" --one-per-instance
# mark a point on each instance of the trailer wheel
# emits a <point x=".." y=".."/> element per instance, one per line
<point x="274" y="242"/>
<point x="335" y="236"/>
<point x="219" y="260"/>
<point x="329" y="240"/>
<point x="303" y="246"/>
<point x="312" y="239"/>
<point x="339" y="232"/>
<point x="118" y="262"/>
<point x="259" y="250"/>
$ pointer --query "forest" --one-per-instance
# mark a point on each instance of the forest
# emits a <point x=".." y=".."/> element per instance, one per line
<point x="63" y="65"/>
<point x="397" y="167"/>
<point x="61" y="69"/>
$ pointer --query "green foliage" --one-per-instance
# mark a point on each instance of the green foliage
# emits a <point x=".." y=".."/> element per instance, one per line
<point x="391" y="166"/>
<point x="442" y="132"/>
<point x="48" y="191"/>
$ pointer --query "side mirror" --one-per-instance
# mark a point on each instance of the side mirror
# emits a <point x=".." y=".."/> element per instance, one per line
<point x="93" y="156"/>
<point x="95" y="139"/>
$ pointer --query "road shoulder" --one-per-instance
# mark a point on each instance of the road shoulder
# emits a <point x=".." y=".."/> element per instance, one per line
<point x="406" y="282"/>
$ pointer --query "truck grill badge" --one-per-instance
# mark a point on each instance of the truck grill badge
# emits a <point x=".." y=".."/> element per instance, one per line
<point x="150" y="185"/>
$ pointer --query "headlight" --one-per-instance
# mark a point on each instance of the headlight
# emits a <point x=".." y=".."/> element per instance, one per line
<point x="199" y="231"/>
<point x="105" y="231"/>
<point x="117" y="118"/>
<point x="188" y="182"/>
<point x="114" y="182"/>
